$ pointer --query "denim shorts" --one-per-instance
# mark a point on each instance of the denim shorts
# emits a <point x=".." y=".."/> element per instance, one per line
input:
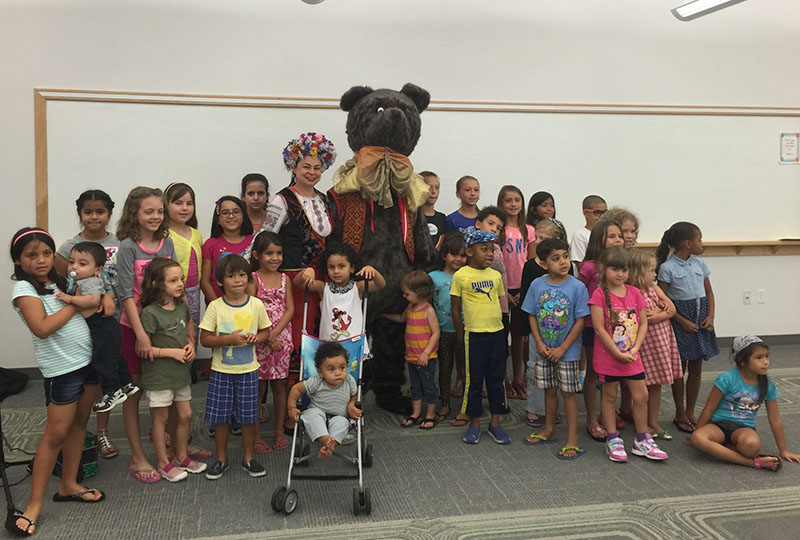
<point x="421" y="381"/>
<point x="67" y="388"/>
<point x="728" y="427"/>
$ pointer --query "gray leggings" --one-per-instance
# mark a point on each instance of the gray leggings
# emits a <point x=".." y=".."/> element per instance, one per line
<point x="318" y="424"/>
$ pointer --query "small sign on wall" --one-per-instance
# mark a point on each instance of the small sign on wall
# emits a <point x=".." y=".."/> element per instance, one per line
<point x="789" y="150"/>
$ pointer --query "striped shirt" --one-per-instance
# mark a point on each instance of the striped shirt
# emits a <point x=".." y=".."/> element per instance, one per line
<point x="65" y="350"/>
<point x="418" y="333"/>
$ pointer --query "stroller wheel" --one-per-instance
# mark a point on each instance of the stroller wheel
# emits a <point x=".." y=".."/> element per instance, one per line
<point x="367" y="455"/>
<point x="278" y="497"/>
<point x="362" y="501"/>
<point x="290" y="502"/>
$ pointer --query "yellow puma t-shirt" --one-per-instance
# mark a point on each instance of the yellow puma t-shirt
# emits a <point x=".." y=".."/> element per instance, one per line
<point x="480" y="292"/>
<point x="222" y="319"/>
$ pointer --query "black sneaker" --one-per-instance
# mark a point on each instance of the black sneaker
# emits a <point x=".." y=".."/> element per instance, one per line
<point x="130" y="389"/>
<point x="254" y="469"/>
<point x="216" y="470"/>
<point x="109" y="401"/>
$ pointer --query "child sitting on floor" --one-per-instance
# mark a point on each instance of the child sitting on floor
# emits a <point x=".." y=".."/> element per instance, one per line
<point x="333" y="398"/>
<point x="726" y="428"/>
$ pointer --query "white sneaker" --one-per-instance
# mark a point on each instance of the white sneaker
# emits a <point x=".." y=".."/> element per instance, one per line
<point x="615" y="449"/>
<point x="649" y="449"/>
<point x="130" y="389"/>
<point x="109" y="401"/>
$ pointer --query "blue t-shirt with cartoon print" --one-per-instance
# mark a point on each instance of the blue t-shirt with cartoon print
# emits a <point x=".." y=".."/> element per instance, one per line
<point x="739" y="401"/>
<point x="556" y="306"/>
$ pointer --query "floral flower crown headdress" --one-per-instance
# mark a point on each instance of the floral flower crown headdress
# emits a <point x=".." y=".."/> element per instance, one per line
<point x="309" y="144"/>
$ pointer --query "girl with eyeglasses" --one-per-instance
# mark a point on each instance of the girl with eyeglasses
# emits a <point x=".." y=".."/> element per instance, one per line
<point x="230" y="233"/>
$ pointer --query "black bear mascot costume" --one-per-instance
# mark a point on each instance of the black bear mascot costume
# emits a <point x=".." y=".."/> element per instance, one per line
<point x="377" y="203"/>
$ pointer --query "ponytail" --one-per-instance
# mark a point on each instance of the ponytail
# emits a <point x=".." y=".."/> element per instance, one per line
<point x="663" y="249"/>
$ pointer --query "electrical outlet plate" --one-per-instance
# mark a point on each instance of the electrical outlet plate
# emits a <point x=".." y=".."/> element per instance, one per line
<point x="761" y="296"/>
<point x="747" y="297"/>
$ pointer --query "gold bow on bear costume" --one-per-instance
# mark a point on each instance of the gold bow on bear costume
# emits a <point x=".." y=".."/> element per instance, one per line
<point x="375" y="171"/>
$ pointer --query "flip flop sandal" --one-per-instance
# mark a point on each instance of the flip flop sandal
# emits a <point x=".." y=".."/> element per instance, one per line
<point x="14" y="529"/>
<point x="768" y="465"/>
<point x="138" y="474"/>
<point x="78" y="497"/>
<point x="598" y="433"/>
<point x="535" y="423"/>
<point x="663" y="435"/>
<point x="409" y="421"/>
<point x="578" y="453"/>
<point x="431" y="421"/>
<point x="280" y="444"/>
<point x="683" y="425"/>
<point x="511" y="393"/>
<point x="438" y="417"/>
<point x="459" y="422"/>
<point x="537" y="439"/>
<point x="261" y="447"/>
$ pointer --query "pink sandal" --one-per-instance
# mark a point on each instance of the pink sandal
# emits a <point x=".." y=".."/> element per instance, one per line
<point x="773" y="465"/>
<point x="280" y="443"/>
<point x="262" y="448"/>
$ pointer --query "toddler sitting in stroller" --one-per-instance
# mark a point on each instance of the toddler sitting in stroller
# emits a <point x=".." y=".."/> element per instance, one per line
<point x="332" y="393"/>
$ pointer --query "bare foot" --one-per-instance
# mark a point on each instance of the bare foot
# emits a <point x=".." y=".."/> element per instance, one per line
<point x="326" y="450"/>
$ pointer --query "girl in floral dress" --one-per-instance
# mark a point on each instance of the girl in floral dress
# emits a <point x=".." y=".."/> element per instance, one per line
<point x="274" y="290"/>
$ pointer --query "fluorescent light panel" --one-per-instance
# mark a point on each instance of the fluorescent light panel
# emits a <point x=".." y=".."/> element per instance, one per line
<point x="698" y="8"/>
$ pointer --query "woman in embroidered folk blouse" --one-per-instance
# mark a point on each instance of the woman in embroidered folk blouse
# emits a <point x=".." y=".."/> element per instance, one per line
<point x="299" y="215"/>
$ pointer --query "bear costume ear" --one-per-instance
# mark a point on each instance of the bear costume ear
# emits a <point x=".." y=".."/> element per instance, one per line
<point x="351" y="97"/>
<point x="419" y="96"/>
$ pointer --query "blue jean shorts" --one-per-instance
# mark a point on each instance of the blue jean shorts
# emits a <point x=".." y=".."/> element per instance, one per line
<point x="422" y="383"/>
<point x="228" y="389"/>
<point x="68" y="388"/>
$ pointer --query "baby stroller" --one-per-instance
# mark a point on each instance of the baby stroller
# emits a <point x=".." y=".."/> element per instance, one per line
<point x="284" y="499"/>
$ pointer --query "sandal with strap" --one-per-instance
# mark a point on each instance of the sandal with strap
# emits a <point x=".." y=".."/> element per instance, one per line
<point x="427" y="423"/>
<point x="441" y="417"/>
<point x="409" y="421"/>
<point x="772" y="465"/>
<point x="511" y="393"/>
<point x="14" y="529"/>
<point x="107" y="450"/>
<point x="459" y="421"/>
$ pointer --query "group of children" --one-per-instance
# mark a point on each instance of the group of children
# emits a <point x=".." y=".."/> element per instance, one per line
<point x="628" y="316"/>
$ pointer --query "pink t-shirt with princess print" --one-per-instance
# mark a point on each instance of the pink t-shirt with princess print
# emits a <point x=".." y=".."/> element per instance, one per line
<point x="623" y="331"/>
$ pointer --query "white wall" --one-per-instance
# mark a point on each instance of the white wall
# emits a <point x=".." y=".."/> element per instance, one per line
<point x="579" y="52"/>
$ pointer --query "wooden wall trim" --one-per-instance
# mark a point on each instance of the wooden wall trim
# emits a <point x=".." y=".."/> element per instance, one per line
<point x="713" y="249"/>
<point x="747" y="249"/>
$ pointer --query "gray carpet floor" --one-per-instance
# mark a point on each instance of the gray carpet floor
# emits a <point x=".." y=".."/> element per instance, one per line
<point x="429" y="484"/>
